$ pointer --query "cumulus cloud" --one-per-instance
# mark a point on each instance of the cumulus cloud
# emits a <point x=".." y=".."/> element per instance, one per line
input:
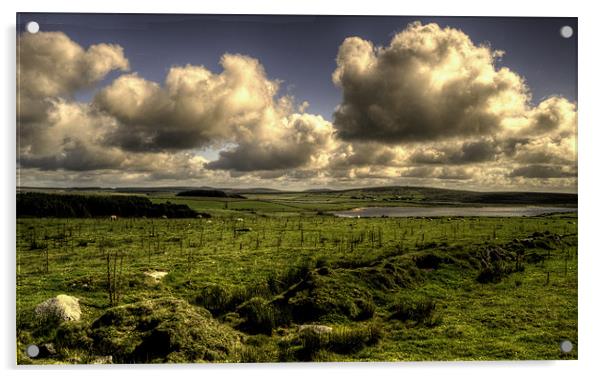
<point x="51" y="64"/>
<point x="546" y="150"/>
<point x="238" y="108"/>
<point x="457" y="153"/>
<point x="141" y="126"/>
<point x="432" y="83"/>
<point x="442" y="173"/>
<point x="368" y="153"/>
<point x="54" y="131"/>
<point x="298" y="140"/>
<point x="429" y="83"/>
<point x="542" y="171"/>
<point x="194" y="107"/>
<point x="57" y="133"/>
<point x="555" y="115"/>
<point x="446" y="102"/>
<point x="70" y="139"/>
<point x="73" y="140"/>
<point x="429" y="108"/>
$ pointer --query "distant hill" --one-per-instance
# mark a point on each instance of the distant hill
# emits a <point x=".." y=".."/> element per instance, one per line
<point x="413" y="194"/>
<point x="208" y="193"/>
<point x="436" y="195"/>
<point x="319" y="190"/>
<point x="254" y="190"/>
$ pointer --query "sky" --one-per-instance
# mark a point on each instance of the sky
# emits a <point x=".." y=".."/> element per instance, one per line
<point x="297" y="102"/>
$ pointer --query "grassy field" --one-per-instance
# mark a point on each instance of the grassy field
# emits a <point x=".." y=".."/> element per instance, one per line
<point x="243" y="285"/>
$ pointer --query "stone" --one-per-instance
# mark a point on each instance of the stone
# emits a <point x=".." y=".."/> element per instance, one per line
<point x="101" y="360"/>
<point x="61" y="308"/>
<point x="156" y="275"/>
<point x="315" y="328"/>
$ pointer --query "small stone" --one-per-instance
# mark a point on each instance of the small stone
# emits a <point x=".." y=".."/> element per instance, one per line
<point x="157" y="275"/>
<point x="315" y="328"/>
<point x="47" y="350"/>
<point x="100" y="360"/>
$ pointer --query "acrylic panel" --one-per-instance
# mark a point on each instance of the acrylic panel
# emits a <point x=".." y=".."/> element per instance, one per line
<point x="281" y="188"/>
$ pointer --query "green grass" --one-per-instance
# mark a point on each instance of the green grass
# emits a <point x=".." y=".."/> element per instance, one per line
<point x="353" y="272"/>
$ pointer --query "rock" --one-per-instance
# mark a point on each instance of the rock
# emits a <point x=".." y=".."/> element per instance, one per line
<point x="47" y="350"/>
<point x="315" y="328"/>
<point x="61" y="308"/>
<point x="157" y="276"/>
<point x="102" y="360"/>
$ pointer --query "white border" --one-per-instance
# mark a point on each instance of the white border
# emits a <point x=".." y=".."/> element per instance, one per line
<point x="590" y="262"/>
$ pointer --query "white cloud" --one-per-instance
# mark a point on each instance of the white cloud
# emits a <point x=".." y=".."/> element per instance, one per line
<point x="51" y="64"/>
<point x="431" y="108"/>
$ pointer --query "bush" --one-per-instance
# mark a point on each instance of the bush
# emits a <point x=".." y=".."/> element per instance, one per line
<point x="348" y="340"/>
<point x="294" y="275"/>
<point x="220" y="300"/>
<point x="430" y="261"/>
<point x="260" y="316"/>
<point x="311" y="344"/>
<point x="73" y="335"/>
<point x="253" y="354"/>
<point x="496" y="263"/>
<point x="217" y="299"/>
<point x="342" y="340"/>
<point x="494" y="272"/>
<point x="420" y="311"/>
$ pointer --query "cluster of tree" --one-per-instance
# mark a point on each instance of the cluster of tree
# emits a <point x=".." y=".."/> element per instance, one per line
<point x="534" y="198"/>
<point x="432" y="195"/>
<point x="208" y="193"/>
<point x="42" y="205"/>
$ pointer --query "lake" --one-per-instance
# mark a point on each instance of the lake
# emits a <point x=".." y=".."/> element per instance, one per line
<point x="486" y="211"/>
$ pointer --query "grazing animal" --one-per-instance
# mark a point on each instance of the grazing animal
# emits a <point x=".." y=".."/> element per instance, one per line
<point x="208" y="221"/>
<point x="164" y="216"/>
<point x="113" y="217"/>
<point x="240" y="220"/>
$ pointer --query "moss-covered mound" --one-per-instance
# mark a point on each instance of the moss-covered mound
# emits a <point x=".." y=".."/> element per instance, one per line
<point x="327" y="294"/>
<point x="333" y="295"/>
<point x="163" y="330"/>
<point x="394" y="273"/>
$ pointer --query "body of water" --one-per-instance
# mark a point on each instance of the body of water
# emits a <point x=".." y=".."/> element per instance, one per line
<point x="486" y="211"/>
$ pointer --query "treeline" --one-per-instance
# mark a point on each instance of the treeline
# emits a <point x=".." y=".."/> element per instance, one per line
<point x="436" y="195"/>
<point x="46" y="205"/>
<point x="208" y="193"/>
<point x="528" y="198"/>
